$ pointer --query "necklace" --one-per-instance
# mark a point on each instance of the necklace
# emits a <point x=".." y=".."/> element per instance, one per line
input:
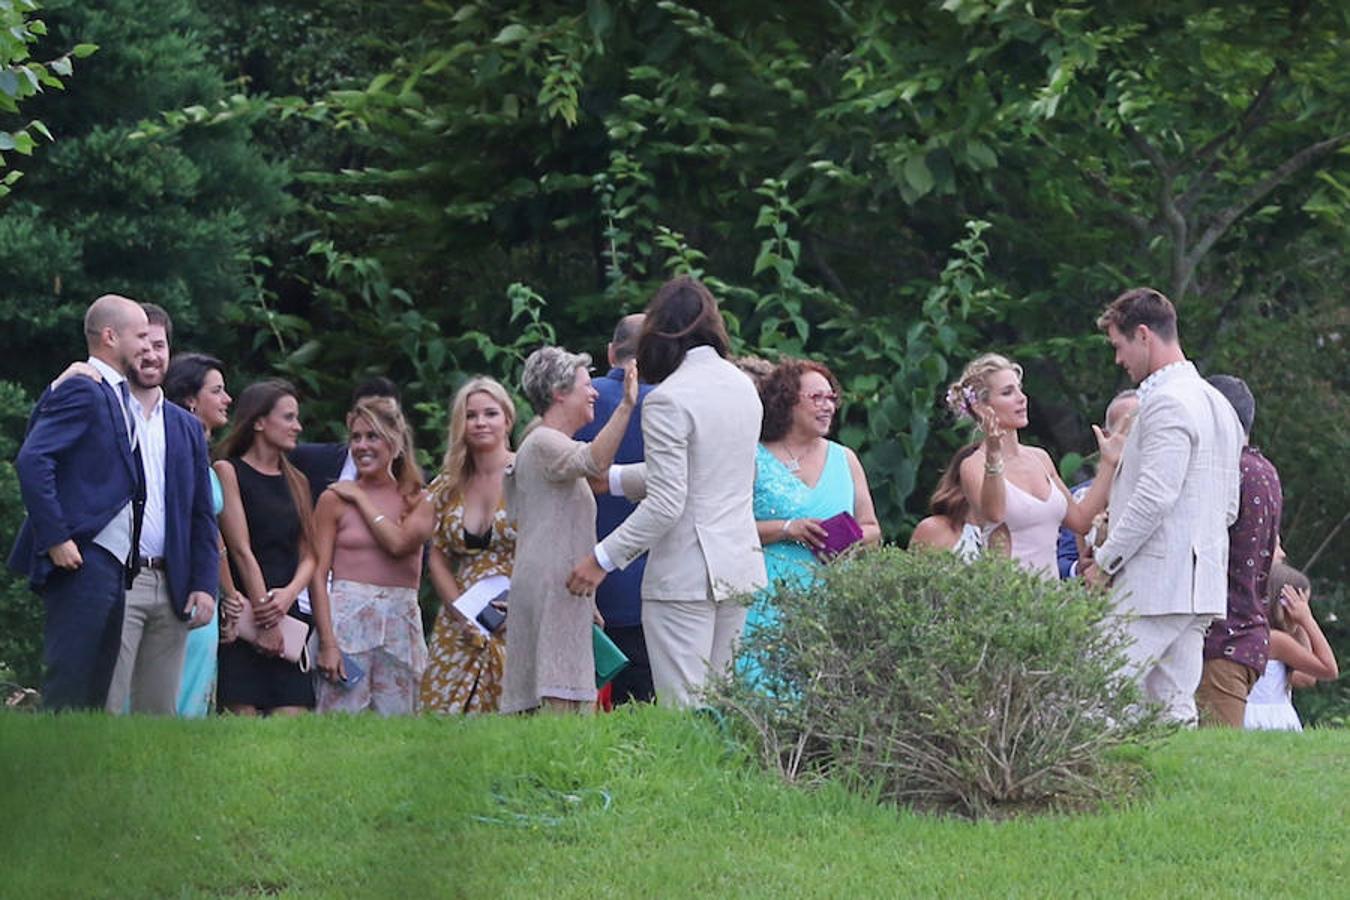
<point x="794" y="463"/>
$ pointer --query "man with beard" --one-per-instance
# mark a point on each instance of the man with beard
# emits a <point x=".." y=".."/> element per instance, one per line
<point x="175" y="580"/>
<point x="80" y="483"/>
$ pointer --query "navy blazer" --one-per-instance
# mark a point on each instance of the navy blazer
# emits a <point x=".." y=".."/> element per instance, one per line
<point x="75" y="472"/>
<point x="71" y="492"/>
<point x="1067" y="550"/>
<point x="191" y="541"/>
<point x="619" y="596"/>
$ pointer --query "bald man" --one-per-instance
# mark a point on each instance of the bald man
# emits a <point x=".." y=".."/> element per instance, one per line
<point x="84" y="491"/>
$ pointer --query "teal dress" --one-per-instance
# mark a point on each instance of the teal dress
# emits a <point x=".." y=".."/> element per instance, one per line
<point x="779" y="494"/>
<point x="198" y="686"/>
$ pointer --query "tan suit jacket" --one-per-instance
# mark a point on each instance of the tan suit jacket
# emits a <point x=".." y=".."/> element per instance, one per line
<point x="700" y="428"/>
<point x="1173" y="498"/>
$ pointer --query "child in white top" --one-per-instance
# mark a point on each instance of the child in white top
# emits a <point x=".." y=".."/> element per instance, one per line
<point x="1299" y="653"/>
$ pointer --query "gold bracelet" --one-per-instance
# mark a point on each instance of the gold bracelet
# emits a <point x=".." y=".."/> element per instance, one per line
<point x="993" y="468"/>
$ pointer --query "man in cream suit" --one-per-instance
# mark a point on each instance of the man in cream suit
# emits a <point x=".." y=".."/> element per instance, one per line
<point x="1173" y="498"/>
<point x="700" y="425"/>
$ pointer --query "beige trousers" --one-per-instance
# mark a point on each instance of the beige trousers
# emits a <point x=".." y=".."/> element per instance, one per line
<point x="687" y="639"/>
<point x="150" y="663"/>
<point x="1166" y="657"/>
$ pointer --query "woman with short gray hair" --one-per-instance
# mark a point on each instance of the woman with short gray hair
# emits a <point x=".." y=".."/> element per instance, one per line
<point x="550" y="369"/>
<point x="549" y="660"/>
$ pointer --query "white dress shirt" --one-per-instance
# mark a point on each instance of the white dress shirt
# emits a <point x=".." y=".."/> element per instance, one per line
<point x="116" y="535"/>
<point x="150" y="428"/>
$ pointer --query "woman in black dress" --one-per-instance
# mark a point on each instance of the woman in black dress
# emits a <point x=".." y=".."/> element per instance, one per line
<point x="268" y="532"/>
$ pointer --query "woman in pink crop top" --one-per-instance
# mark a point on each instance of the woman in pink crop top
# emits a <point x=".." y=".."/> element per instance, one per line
<point x="370" y="533"/>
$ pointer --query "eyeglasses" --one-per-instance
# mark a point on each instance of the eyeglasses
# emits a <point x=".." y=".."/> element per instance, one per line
<point x="821" y="398"/>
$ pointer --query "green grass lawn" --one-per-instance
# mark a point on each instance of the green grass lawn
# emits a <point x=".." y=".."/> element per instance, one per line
<point x="641" y="804"/>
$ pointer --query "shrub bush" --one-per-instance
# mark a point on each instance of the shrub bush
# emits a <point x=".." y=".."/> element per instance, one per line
<point x="20" y="608"/>
<point x="976" y="689"/>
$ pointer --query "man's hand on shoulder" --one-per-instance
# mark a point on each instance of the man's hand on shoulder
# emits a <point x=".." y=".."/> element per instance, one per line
<point x="76" y="369"/>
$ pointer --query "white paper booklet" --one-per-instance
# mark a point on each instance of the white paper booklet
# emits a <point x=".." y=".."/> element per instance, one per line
<point x="471" y="602"/>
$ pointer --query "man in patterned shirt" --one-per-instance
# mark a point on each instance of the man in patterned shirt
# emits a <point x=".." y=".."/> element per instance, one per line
<point x="1236" y="646"/>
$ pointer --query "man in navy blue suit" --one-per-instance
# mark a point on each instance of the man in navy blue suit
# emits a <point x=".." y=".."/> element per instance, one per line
<point x="175" y="581"/>
<point x="619" y="596"/>
<point x="79" y="480"/>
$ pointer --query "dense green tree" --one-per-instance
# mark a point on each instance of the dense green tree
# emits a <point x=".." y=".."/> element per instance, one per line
<point x="22" y="77"/>
<point x="170" y="221"/>
<point x="888" y="187"/>
<point x="819" y="165"/>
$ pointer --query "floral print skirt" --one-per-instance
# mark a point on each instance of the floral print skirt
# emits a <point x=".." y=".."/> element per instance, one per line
<point x="381" y="628"/>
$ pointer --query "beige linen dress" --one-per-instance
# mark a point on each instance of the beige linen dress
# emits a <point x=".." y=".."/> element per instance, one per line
<point x="548" y="638"/>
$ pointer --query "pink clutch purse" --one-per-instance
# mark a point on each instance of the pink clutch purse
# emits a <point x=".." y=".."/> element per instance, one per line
<point x="841" y="532"/>
<point x="294" y="635"/>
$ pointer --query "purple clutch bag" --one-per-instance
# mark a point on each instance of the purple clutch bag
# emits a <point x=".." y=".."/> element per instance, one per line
<point x="841" y="532"/>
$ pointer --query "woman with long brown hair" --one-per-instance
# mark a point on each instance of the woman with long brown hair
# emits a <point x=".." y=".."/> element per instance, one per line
<point x="369" y="537"/>
<point x="472" y="539"/>
<point x="268" y="532"/>
<point x="948" y="526"/>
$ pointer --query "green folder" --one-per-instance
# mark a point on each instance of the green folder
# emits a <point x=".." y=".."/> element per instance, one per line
<point x="609" y="659"/>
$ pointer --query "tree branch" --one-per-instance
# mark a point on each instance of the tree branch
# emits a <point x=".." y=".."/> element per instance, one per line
<point x="1167" y="207"/>
<point x="1150" y="152"/>
<point x="1120" y="204"/>
<point x="1325" y="541"/>
<point x="826" y="272"/>
<point x="1119" y="207"/>
<point x="1225" y="219"/>
<point x="1209" y="154"/>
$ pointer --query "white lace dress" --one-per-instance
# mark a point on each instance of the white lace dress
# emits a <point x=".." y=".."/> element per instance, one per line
<point x="1269" y="707"/>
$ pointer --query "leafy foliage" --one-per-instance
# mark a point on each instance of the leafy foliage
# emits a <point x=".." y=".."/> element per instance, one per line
<point x="978" y="689"/>
<point x="889" y="188"/>
<point x="169" y="222"/>
<point x="817" y="165"/>
<point x="20" y="609"/>
<point x="22" y="77"/>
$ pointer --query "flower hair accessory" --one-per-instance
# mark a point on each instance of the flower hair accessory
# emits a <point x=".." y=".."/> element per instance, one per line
<point x="969" y="399"/>
<point x="961" y="400"/>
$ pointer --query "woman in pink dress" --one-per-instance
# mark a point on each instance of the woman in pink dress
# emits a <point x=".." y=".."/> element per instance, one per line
<point x="1009" y="483"/>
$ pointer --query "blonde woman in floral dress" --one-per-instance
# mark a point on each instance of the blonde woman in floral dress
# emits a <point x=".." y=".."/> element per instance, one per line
<point x="473" y="539"/>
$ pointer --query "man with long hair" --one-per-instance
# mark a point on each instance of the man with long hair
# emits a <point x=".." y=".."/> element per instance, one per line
<point x="700" y="427"/>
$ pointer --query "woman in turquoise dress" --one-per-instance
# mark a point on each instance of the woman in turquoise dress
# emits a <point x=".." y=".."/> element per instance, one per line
<point x="195" y="382"/>
<point x="801" y="479"/>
